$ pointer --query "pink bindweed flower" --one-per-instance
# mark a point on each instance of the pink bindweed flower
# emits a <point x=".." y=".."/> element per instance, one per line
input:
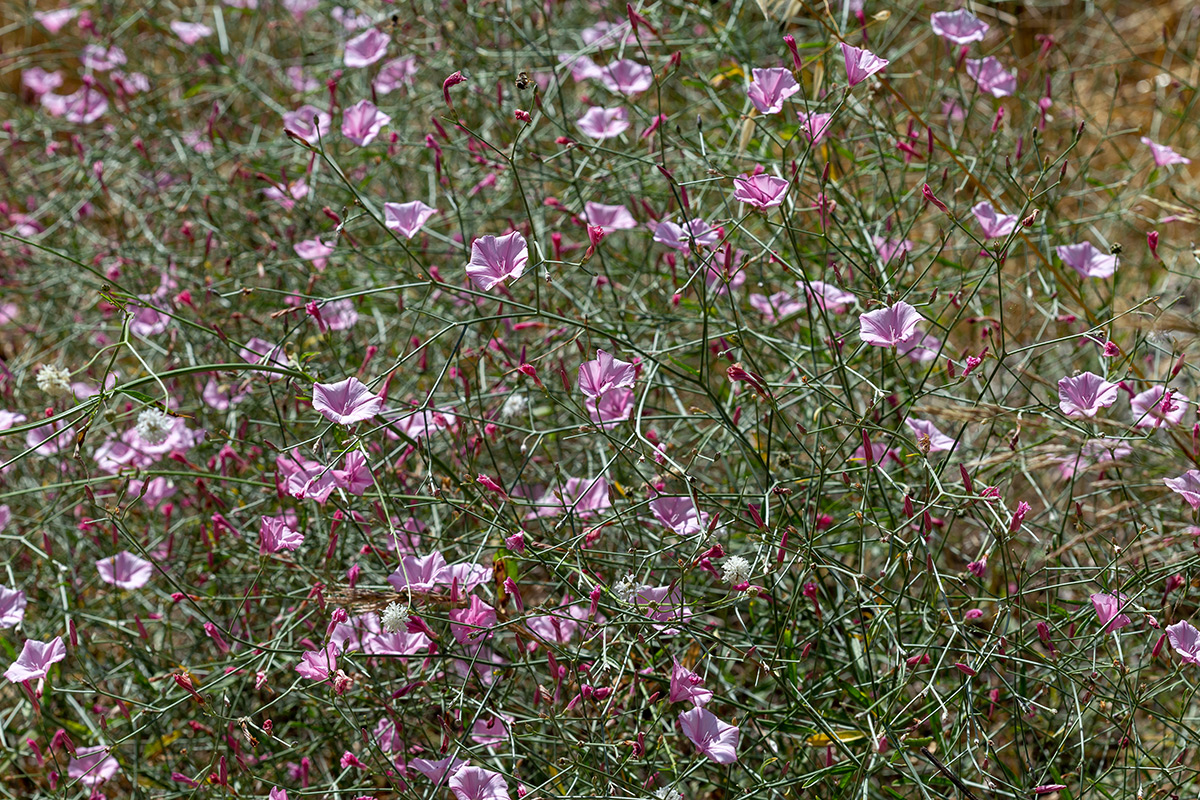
<point x="362" y="122"/>
<point x="394" y="74"/>
<point x="860" y="64"/>
<point x="827" y="296"/>
<point x="274" y="535"/>
<point x="92" y="766"/>
<point x="1084" y="395"/>
<point x="994" y="224"/>
<point x="346" y="402"/>
<point x="610" y="408"/>
<point x="938" y="441"/>
<point x="1186" y="486"/>
<point x="54" y="21"/>
<point x="775" y="307"/>
<point x="888" y="327"/>
<point x="770" y="87"/>
<point x="604" y="123"/>
<point x="1093" y="452"/>
<point x="626" y="77"/>
<point x="663" y="604"/>
<point x="436" y="771"/>
<point x="761" y="191"/>
<point x="1018" y="516"/>
<point x="366" y="48"/>
<point x="687" y="687"/>
<point x="82" y="107"/>
<point x="604" y="373"/>
<point x="928" y="194"/>
<point x="960" y="27"/>
<point x="125" y="570"/>
<point x="190" y="32"/>
<point x="476" y="783"/>
<point x="1164" y="156"/>
<point x="610" y="218"/>
<point x="1158" y="406"/>
<point x="12" y="607"/>
<point x="1186" y="641"/>
<point x="1108" y="610"/>
<point x="314" y="251"/>
<point x="716" y="739"/>
<point x="920" y="346"/>
<point x="991" y="76"/>
<point x="407" y="218"/>
<point x="38" y="81"/>
<point x="582" y="496"/>
<point x="496" y="259"/>
<point x="101" y="59"/>
<point x="309" y="123"/>
<point x="1088" y="261"/>
<point x="890" y="248"/>
<point x="420" y="573"/>
<point x="35" y="660"/>
<point x="695" y="232"/>
<point x="454" y="79"/>
<point x="679" y="514"/>
<point x="814" y="126"/>
<point x="319" y="665"/>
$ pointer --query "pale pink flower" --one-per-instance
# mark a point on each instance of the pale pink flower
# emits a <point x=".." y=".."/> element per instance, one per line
<point x="716" y="739"/>
<point x="12" y="607"/>
<point x="1157" y="406"/>
<point x="420" y="574"/>
<point x="274" y="536"/>
<point x="1186" y="641"/>
<point x="436" y="771"/>
<point x="190" y="32"/>
<point x="1108" y="610"/>
<point x="888" y="327"/>
<point x="938" y="441"/>
<point x="679" y="514"/>
<point x="687" y="686"/>
<point x="761" y="191"/>
<point x="604" y="123"/>
<point x="476" y="783"/>
<point x="394" y="74"/>
<point x="919" y="346"/>
<point x="314" y="250"/>
<point x="1092" y="452"/>
<point x="38" y="81"/>
<point x="82" y="107"/>
<point x="125" y="570"/>
<point x="770" y="87"/>
<point x="860" y="64"/>
<point x="775" y="307"/>
<point x="346" y="402"/>
<point x="626" y="77"/>
<point x="610" y="408"/>
<point x="961" y="26"/>
<point x="92" y="766"/>
<point x="1087" y="260"/>
<point x="991" y="76"/>
<point x="496" y="259"/>
<point x="362" y="122"/>
<point x="407" y="218"/>
<point x="610" y="218"/>
<point x="827" y="296"/>
<point x="663" y="604"/>
<point x="604" y="373"/>
<point x="582" y="67"/>
<point x="1187" y="486"/>
<point x="309" y="123"/>
<point x="890" y="248"/>
<point x="318" y="665"/>
<point x="35" y="660"/>
<point x="995" y="225"/>
<point x="299" y="9"/>
<point x="683" y="236"/>
<point x="54" y="21"/>
<point x="605" y="34"/>
<point x="1164" y="156"/>
<point x="582" y="496"/>
<point x="366" y="48"/>
<point x="1085" y="394"/>
<point x="299" y="477"/>
<point x="287" y="194"/>
<point x="100" y="58"/>
<point x="814" y="126"/>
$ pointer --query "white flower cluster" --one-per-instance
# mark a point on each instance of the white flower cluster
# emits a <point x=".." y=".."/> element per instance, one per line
<point x="735" y="570"/>
<point x="154" y="426"/>
<point x="394" y="617"/>
<point x="626" y="588"/>
<point x="54" y="381"/>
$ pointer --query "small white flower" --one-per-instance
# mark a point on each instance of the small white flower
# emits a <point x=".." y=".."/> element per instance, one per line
<point x="735" y="570"/>
<point x="513" y="406"/>
<point x="626" y="588"/>
<point x="668" y="793"/>
<point x="394" y="617"/>
<point x="154" y="426"/>
<point x="54" y="381"/>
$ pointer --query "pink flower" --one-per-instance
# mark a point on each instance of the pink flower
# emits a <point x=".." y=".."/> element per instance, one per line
<point x="314" y="250"/>
<point x="994" y="224"/>
<point x="1093" y="452"/>
<point x="274" y="535"/>
<point x="928" y="194"/>
<point x="362" y="122"/>
<point x="190" y="32"/>
<point x="679" y="514"/>
<point x="604" y="123"/>
<point x="610" y="408"/>
<point x="476" y="783"/>
<point x="53" y="21"/>
<point x="687" y="686"/>
<point x="938" y="441"/>
<point x="454" y="79"/>
<point x="318" y="665"/>
<point x="827" y="296"/>
<point x="366" y="48"/>
<point x="761" y="191"/>
<point x="1164" y="156"/>
<point x="125" y="570"/>
<point x="682" y="237"/>
<point x="814" y="126"/>
<point x="770" y="87"/>
<point x="436" y="771"/>
<point x="1187" y="486"/>
<point x="12" y="607"/>
<point x="407" y="218"/>
<point x="860" y="64"/>
<point x="582" y="496"/>
<point x="394" y="74"/>
<point x="890" y="248"/>
<point x="610" y="218"/>
<point x="299" y="477"/>
<point x="82" y="107"/>
<point x="991" y="76"/>
<point x="258" y="351"/>
<point x="604" y="373"/>
<point x="777" y="306"/>
<point x="920" y="346"/>
<point x="38" y="81"/>
<point x="626" y="77"/>
<point x="497" y="259"/>
<point x="36" y="659"/>
<point x="663" y="604"/>
<point x="888" y="327"/>
<point x="346" y="402"/>
<point x="308" y="122"/>
<point x="1157" y="406"/>
<point x="92" y="766"/>
<point x="1186" y="641"/>
<point x="1018" y="516"/>
<point x="961" y="26"/>
<point x="101" y="59"/>
<point x="1084" y="395"/>
<point x="716" y="739"/>
<point x="1108" y="609"/>
<point x="1085" y="259"/>
<point x="420" y="573"/>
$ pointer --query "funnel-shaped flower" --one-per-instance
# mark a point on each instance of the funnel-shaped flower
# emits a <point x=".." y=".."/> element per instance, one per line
<point x="1108" y="610"/>
<point x="476" y="783"/>
<point x="125" y="570"/>
<point x="12" y="607"/>
<point x="960" y="27"/>
<point x="683" y="236"/>
<point x="1087" y="260"/>
<point x="362" y="122"/>
<point x="406" y="218"/>
<point x="687" y="686"/>
<point x="813" y="126"/>
<point x="36" y="659"/>
<point x="991" y="76"/>
<point x="995" y="225"/>
<point x="495" y="259"/>
<point x="716" y="739"/>
<point x="888" y="327"/>
<point x="610" y="218"/>
<point x="1186" y="641"/>
<point x="309" y="123"/>
<point x="1084" y="395"/>
<point x="679" y="514"/>
<point x="346" y="402"/>
<point x="604" y="123"/>
<point x="626" y="77"/>
<point x="274" y="535"/>
<point x="760" y="191"/>
<point x="1187" y="486"/>
<point x="1158" y="406"/>
<point x="770" y="87"/>
<point x="1164" y="156"/>
<point x="860" y="64"/>
<point x="604" y="373"/>
<point x="366" y="48"/>
<point x="610" y="408"/>
<point x="827" y="296"/>
<point x="92" y="766"/>
<point x="938" y="441"/>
